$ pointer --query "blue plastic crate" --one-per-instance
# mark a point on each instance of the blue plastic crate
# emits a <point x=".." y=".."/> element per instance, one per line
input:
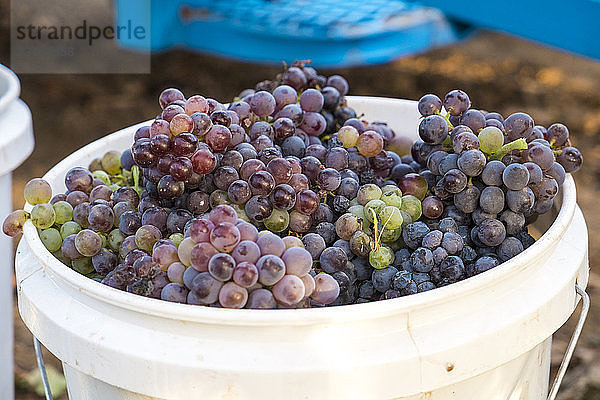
<point x="330" y="33"/>
<point x="572" y="25"/>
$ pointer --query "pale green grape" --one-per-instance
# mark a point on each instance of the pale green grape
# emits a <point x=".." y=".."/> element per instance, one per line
<point x="51" y="239"/>
<point x="367" y="193"/>
<point x="37" y="191"/>
<point x="84" y="265"/>
<point x="391" y="188"/>
<point x="241" y="212"/>
<point x="60" y="257"/>
<point x="278" y="221"/>
<point x="102" y="175"/>
<point x="348" y="135"/>
<point x="69" y="228"/>
<point x="111" y="162"/>
<point x="392" y="198"/>
<point x="381" y="258"/>
<point x="115" y="238"/>
<point x="43" y="216"/>
<point x="63" y="211"/>
<point x="412" y="206"/>
<point x="176" y="238"/>
<point x="374" y="205"/>
<point x="391" y="218"/>
<point x="389" y="236"/>
<point x="359" y="211"/>
<point x="406" y="219"/>
<point x="491" y="139"/>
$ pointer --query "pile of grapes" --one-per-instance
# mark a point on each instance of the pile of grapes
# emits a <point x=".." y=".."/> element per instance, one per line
<point x="286" y="198"/>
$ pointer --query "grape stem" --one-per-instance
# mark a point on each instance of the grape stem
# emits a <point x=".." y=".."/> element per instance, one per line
<point x="135" y="170"/>
<point x="377" y="235"/>
<point x="519" y="144"/>
<point x="557" y="152"/>
<point x="446" y="118"/>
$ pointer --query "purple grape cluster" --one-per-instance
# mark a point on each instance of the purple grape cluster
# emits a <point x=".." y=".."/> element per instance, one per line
<point x="285" y="198"/>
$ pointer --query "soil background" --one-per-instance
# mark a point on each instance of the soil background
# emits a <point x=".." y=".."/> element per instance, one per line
<point x="500" y="73"/>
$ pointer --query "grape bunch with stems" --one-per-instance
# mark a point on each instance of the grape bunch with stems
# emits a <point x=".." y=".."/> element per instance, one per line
<point x="286" y="198"/>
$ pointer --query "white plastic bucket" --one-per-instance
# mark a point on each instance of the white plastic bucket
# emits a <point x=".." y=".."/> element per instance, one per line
<point x="16" y="143"/>
<point x="487" y="337"/>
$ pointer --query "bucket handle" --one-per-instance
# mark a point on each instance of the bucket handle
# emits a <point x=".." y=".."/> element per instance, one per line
<point x="40" y="362"/>
<point x="560" y="374"/>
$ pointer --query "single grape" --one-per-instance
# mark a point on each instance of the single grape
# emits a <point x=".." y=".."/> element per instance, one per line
<point x="79" y="179"/>
<point x="165" y="255"/>
<point x="367" y="193"/>
<point x="348" y="135"/>
<point x="491" y="232"/>
<point x="492" y="173"/>
<point x="111" y="162"/>
<point x="491" y="200"/>
<point x="518" y="125"/>
<point x="262" y="104"/>
<point x="51" y="239"/>
<point x="289" y="290"/>
<point x="271" y="269"/>
<point x="176" y="272"/>
<point x="373" y="208"/>
<point x="370" y="143"/>
<point x="37" y="191"/>
<point x="205" y="288"/>
<point x="326" y="289"/>
<point x="13" y="223"/>
<point x="261" y="299"/>
<point x="87" y="242"/>
<point x="429" y="104"/>
<point x="557" y="135"/>
<point x="221" y="266"/>
<point x="456" y="102"/>
<point x="471" y="162"/>
<point x="515" y="176"/>
<point x="278" y="221"/>
<point x="413" y="184"/>
<point x="541" y="155"/>
<point x="433" y="129"/>
<point x="381" y="257"/>
<point x="43" y="215"/>
<point x="391" y="218"/>
<point x="570" y="158"/>
<point x="199" y="255"/>
<point x="146" y="236"/>
<point x="412" y="206"/>
<point x="225" y="236"/>
<point x="491" y="139"/>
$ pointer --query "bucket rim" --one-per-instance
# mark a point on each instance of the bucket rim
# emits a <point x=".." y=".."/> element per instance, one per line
<point x="287" y="317"/>
<point x="13" y="87"/>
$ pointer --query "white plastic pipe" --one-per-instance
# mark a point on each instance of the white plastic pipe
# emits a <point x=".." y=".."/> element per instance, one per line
<point x="487" y="337"/>
<point x="16" y="143"/>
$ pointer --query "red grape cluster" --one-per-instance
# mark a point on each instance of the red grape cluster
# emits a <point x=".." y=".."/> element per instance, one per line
<point x="284" y="198"/>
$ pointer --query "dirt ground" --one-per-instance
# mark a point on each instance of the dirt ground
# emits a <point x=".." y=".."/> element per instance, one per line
<point x="500" y="73"/>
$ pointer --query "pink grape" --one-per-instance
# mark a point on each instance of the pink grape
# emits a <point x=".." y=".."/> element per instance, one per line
<point x="233" y="296"/>
<point x="225" y="236"/>
<point x="289" y="290"/>
<point x="298" y="261"/>
<point x="201" y="254"/>
<point x="246" y="251"/>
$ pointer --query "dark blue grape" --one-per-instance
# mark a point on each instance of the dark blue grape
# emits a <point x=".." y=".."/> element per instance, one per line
<point x="433" y="129"/>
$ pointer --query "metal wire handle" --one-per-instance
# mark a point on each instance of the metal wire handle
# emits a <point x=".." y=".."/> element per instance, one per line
<point x="42" y="367"/>
<point x="560" y="374"/>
